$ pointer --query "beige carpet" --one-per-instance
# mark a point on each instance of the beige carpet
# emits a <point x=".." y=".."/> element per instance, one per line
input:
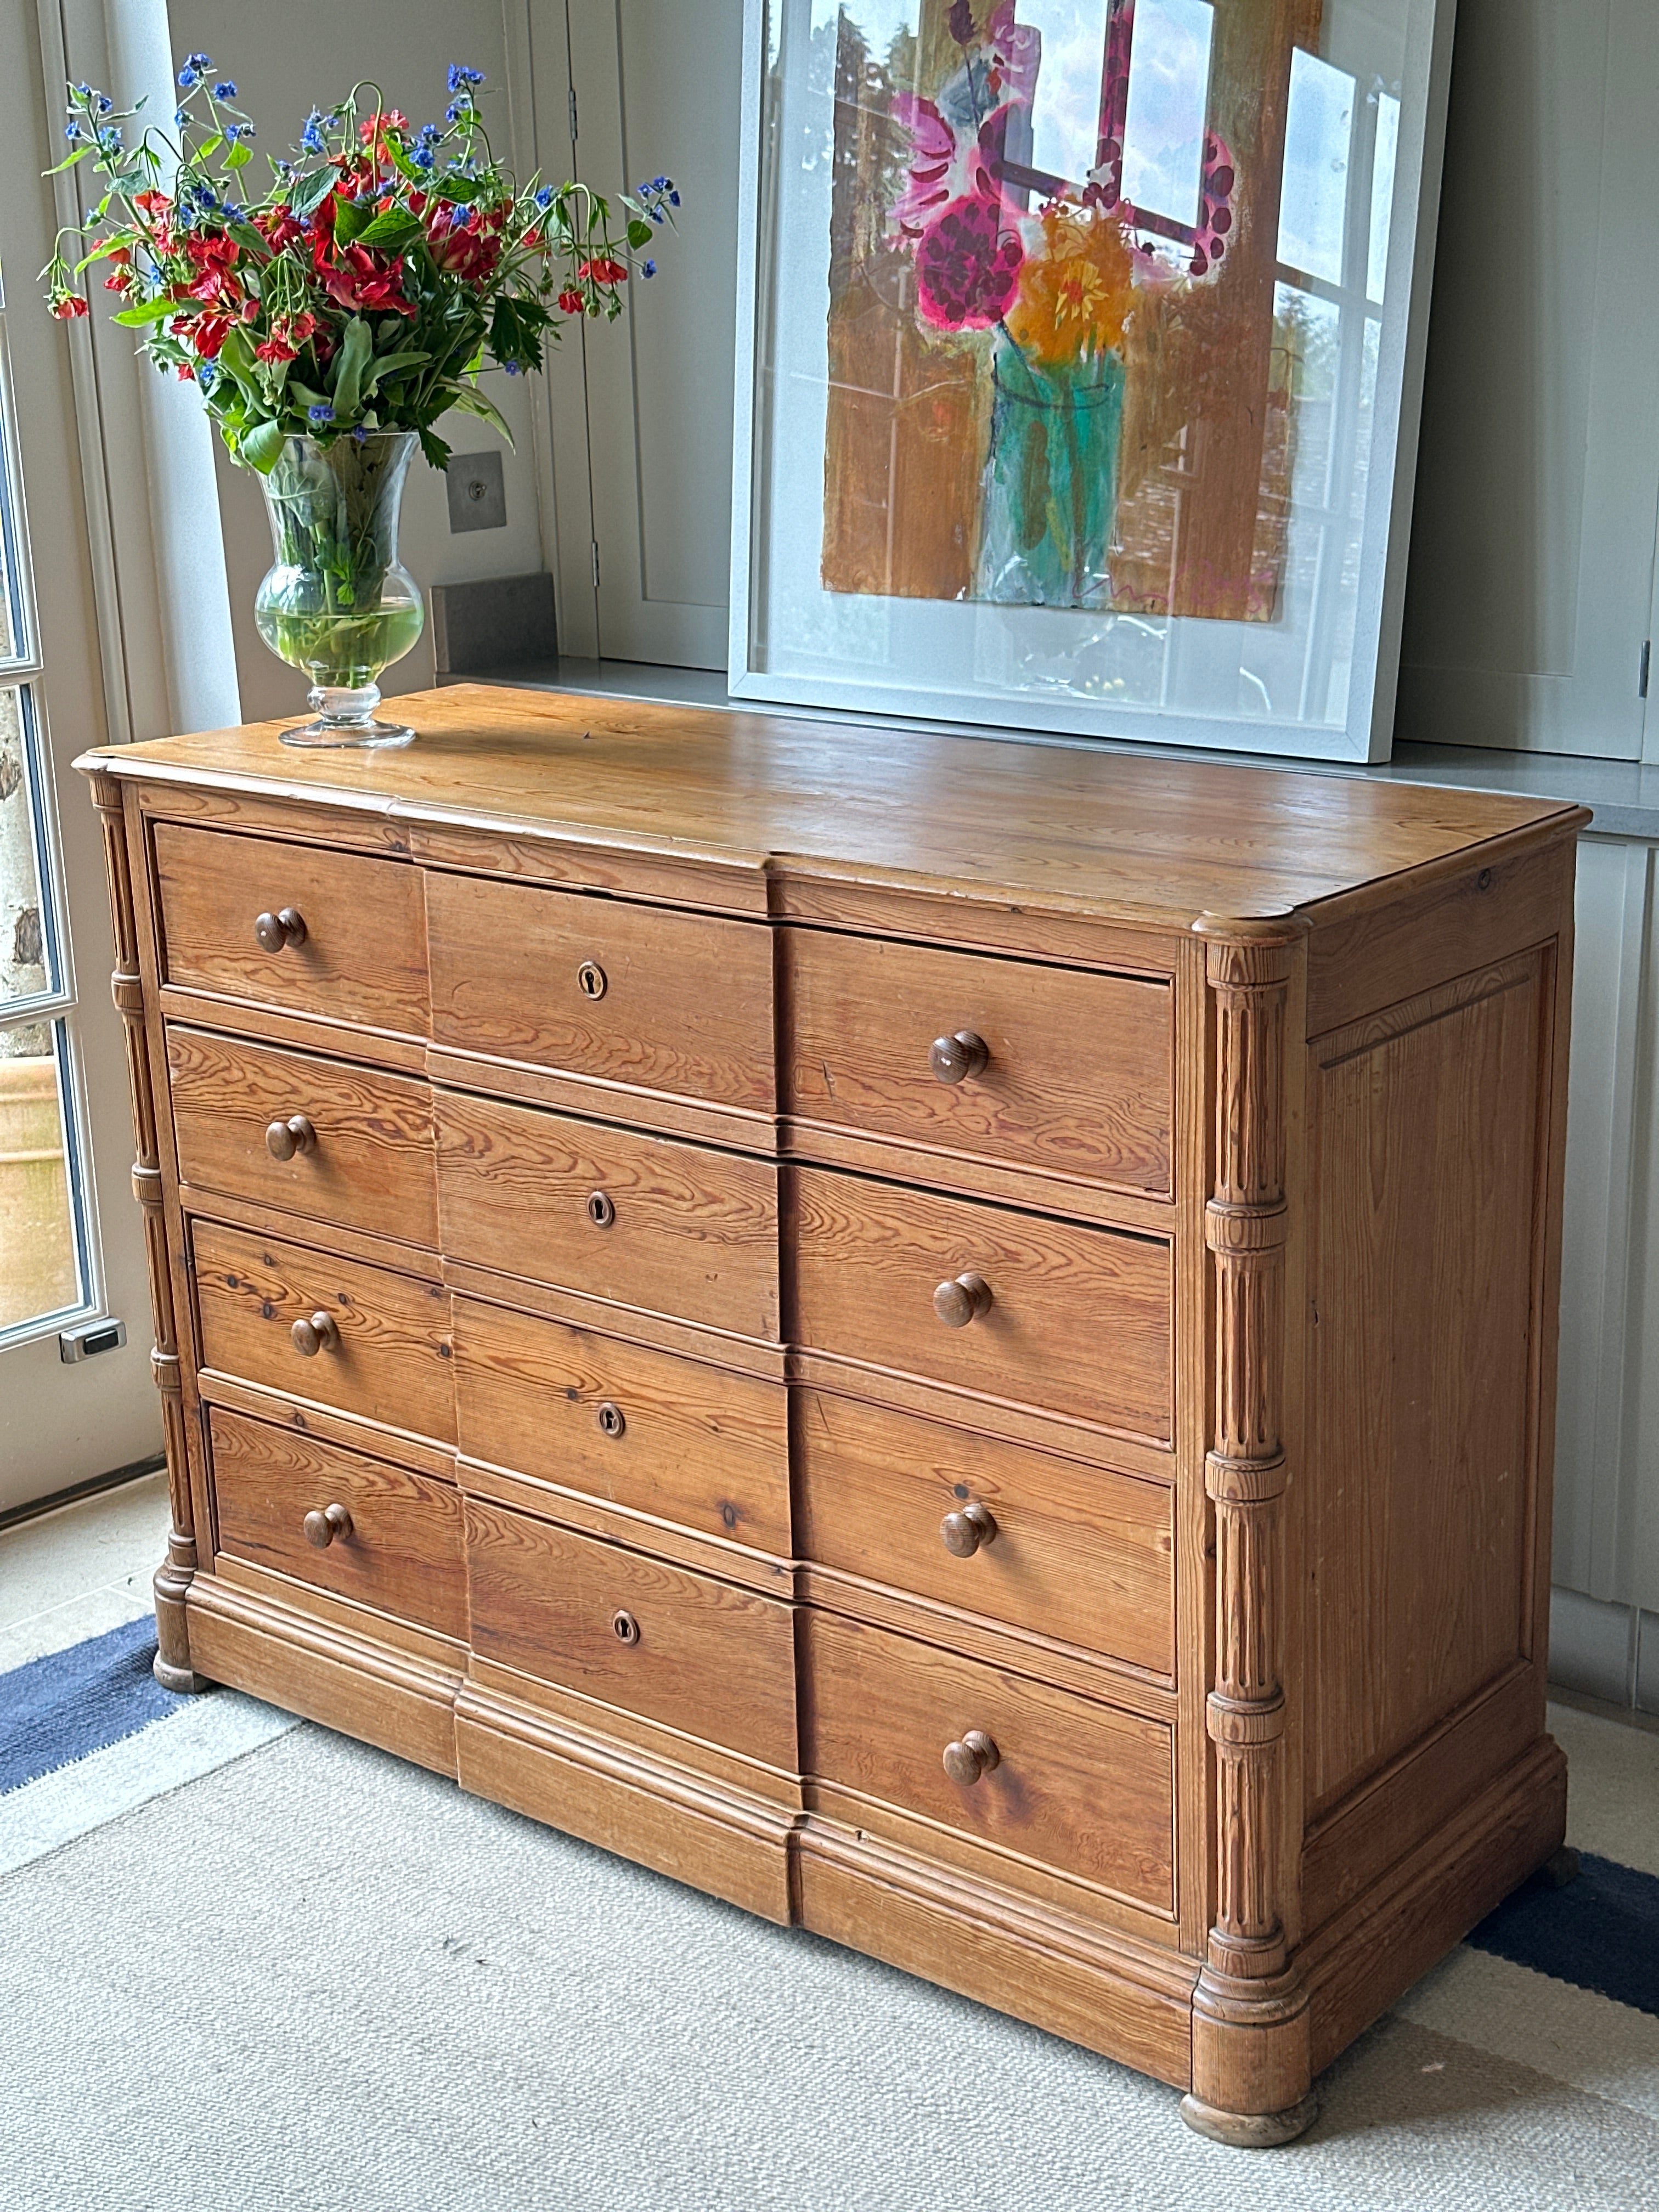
<point x="318" y="1979"/>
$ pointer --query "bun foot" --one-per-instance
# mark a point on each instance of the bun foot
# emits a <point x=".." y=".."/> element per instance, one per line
<point x="181" y="1680"/>
<point x="1250" y="2130"/>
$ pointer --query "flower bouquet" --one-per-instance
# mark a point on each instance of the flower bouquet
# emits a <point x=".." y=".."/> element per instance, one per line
<point x="331" y="323"/>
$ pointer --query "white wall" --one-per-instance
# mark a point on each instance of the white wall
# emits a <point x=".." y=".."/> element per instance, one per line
<point x="286" y="58"/>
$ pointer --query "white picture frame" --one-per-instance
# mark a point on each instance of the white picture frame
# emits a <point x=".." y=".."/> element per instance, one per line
<point x="929" y="658"/>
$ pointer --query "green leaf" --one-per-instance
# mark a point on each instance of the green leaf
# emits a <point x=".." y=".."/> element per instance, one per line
<point x="350" y="221"/>
<point x="309" y="192"/>
<point x="208" y="146"/>
<point x="468" y="401"/>
<point x="261" y="446"/>
<point x="433" y="446"/>
<point x="638" y="234"/>
<point x="355" y="348"/>
<point x="390" y="230"/>
<point x="68" y="161"/>
<point x="239" y="157"/>
<point x="385" y="367"/>
<point x="449" y="186"/>
<point x="153" y="310"/>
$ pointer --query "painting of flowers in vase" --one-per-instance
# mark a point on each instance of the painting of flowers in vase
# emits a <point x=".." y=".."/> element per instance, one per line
<point x="1060" y="370"/>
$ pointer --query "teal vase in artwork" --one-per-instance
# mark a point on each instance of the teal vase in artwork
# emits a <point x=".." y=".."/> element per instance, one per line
<point x="1049" y="498"/>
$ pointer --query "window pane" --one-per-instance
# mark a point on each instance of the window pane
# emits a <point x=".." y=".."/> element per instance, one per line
<point x="40" y="1268"/>
<point x="25" y="937"/>
<point x="1168" y="95"/>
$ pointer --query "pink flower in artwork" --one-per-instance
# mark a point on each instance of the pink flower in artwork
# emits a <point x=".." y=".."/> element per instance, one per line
<point x="967" y="266"/>
<point x="933" y="148"/>
<point x="1017" y="52"/>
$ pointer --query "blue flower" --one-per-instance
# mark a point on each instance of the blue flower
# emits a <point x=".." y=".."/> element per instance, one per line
<point x="202" y="63"/>
<point x="322" y="412"/>
<point x="360" y="433"/>
<point x="659" y="184"/>
<point x="71" y="132"/>
<point x="673" y="199"/>
<point x="311" y="137"/>
<point x="237" y="131"/>
<point x="459" y="110"/>
<point x="180" y="117"/>
<point x="460" y="77"/>
<point x="427" y="135"/>
<point x="84" y="90"/>
<point x="648" y="269"/>
<point x="421" y="157"/>
<point x="225" y="89"/>
<point x="544" y="197"/>
<point x="206" y="375"/>
<point x="187" y="79"/>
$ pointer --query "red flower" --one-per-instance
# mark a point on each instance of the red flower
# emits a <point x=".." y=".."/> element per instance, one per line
<point x="187" y="373"/>
<point x="365" y="282"/>
<point x="215" y="258"/>
<point x="573" y="302"/>
<point x="967" y="266"/>
<point x="460" y="244"/>
<point x="377" y="126"/>
<point x="278" y="225"/>
<point x="604" y="270"/>
<point x="207" y="333"/>
<point x="276" y="349"/>
<point x="66" y="306"/>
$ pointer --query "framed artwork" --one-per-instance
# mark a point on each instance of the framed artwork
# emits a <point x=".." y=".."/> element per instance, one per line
<point x="1080" y="348"/>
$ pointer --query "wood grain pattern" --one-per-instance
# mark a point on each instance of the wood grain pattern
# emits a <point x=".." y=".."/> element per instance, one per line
<point x="393" y="1361"/>
<point x="173" y="1669"/>
<point x="1080" y="1321"/>
<point x="1118" y="835"/>
<point x="364" y="959"/>
<point x="1081" y="1078"/>
<point x="697" y="1445"/>
<point x="1079" y="1786"/>
<point x="1080" y="1554"/>
<point x="1426" y="1126"/>
<point x="372" y="1166"/>
<point x="695" y="1231"/>
<point x="712" y="1660"/>
<point x="404" y="1553"/>
<point x="687" y="1002"/>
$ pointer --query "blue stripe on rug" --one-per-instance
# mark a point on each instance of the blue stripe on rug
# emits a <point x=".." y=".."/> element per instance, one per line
<point x="1602" y="1931"/>
<point x="58" y="1709"/>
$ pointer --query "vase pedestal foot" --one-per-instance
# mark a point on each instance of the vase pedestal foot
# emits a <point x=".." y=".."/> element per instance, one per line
<point x="370" y="736"/>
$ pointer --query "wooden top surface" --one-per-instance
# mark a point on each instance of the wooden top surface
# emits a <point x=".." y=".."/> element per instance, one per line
<point x="1124" y="834"/>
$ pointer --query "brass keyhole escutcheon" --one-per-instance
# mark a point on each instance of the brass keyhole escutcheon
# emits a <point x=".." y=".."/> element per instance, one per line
<point x="611" y="1420"/>
<point x="601" y="1211"/>
<point x="591" y="980"/>
<point x="624" y="1627"/>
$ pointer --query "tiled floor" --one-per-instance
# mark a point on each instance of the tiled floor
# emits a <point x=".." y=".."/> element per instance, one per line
<point x="80" y="1571"/>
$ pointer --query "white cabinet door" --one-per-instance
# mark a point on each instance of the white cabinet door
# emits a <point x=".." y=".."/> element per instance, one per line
<point x="1607" y="1490"/>
<point x="657" y="87"/>
<point x="1530" y="590"/>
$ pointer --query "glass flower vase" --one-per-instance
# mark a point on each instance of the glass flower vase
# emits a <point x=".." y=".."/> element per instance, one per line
<point x="337" y="603"/>
<point x="1049" y="499"/>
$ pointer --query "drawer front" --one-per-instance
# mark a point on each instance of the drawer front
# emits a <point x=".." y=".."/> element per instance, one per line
<point x="1074" y="1553"/>
<point x="1079" y="1321"/>
<point x="1079" y="1076"/>
<point x="397" y="1549"/>
<point x="593" y="986"/>
<point x="714" y="1662"/>
<point x="634" y="1426"/>
<point x="362" y="958"/>
<point x="387" y="1357"/>
<point x="364" y="1156"/>
<point x="645" y="1221"/>
<point x="1083" y="1787"/>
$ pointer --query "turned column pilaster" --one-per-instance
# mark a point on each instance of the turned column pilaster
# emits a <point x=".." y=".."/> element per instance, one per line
<point x="1250" y="2053"/>
<point x="173" y="1577"/>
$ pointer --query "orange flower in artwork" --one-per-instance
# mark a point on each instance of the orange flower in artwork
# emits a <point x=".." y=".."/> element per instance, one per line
<point x="1075" y="292"/>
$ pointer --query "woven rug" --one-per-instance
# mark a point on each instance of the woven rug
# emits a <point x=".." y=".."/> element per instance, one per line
<point x="245" y="1963"/>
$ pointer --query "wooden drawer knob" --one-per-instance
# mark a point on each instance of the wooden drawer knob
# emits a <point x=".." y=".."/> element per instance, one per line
<point x="963" y="1299"/>
<point x="321" y="1528"/>
<point x="974" y="1755"/>
<point x="592" y="980"/>
<point x="320" y="1333"/>
<point x="601" y="1211"/>
<point x="957" y="1058"/>
<point x="284" y="1139"/>
<point x="624" y="1627"/>
<point x="964" y="1532"/>
<point x="285" y="928"/>
<point x="612" y="1421"/>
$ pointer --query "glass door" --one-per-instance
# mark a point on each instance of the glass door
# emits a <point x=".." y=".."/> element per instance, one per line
<point x="75" y="1398"/>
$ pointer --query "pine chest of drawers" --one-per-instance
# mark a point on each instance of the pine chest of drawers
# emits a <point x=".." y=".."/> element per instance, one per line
<point x="953" y="1341"/>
